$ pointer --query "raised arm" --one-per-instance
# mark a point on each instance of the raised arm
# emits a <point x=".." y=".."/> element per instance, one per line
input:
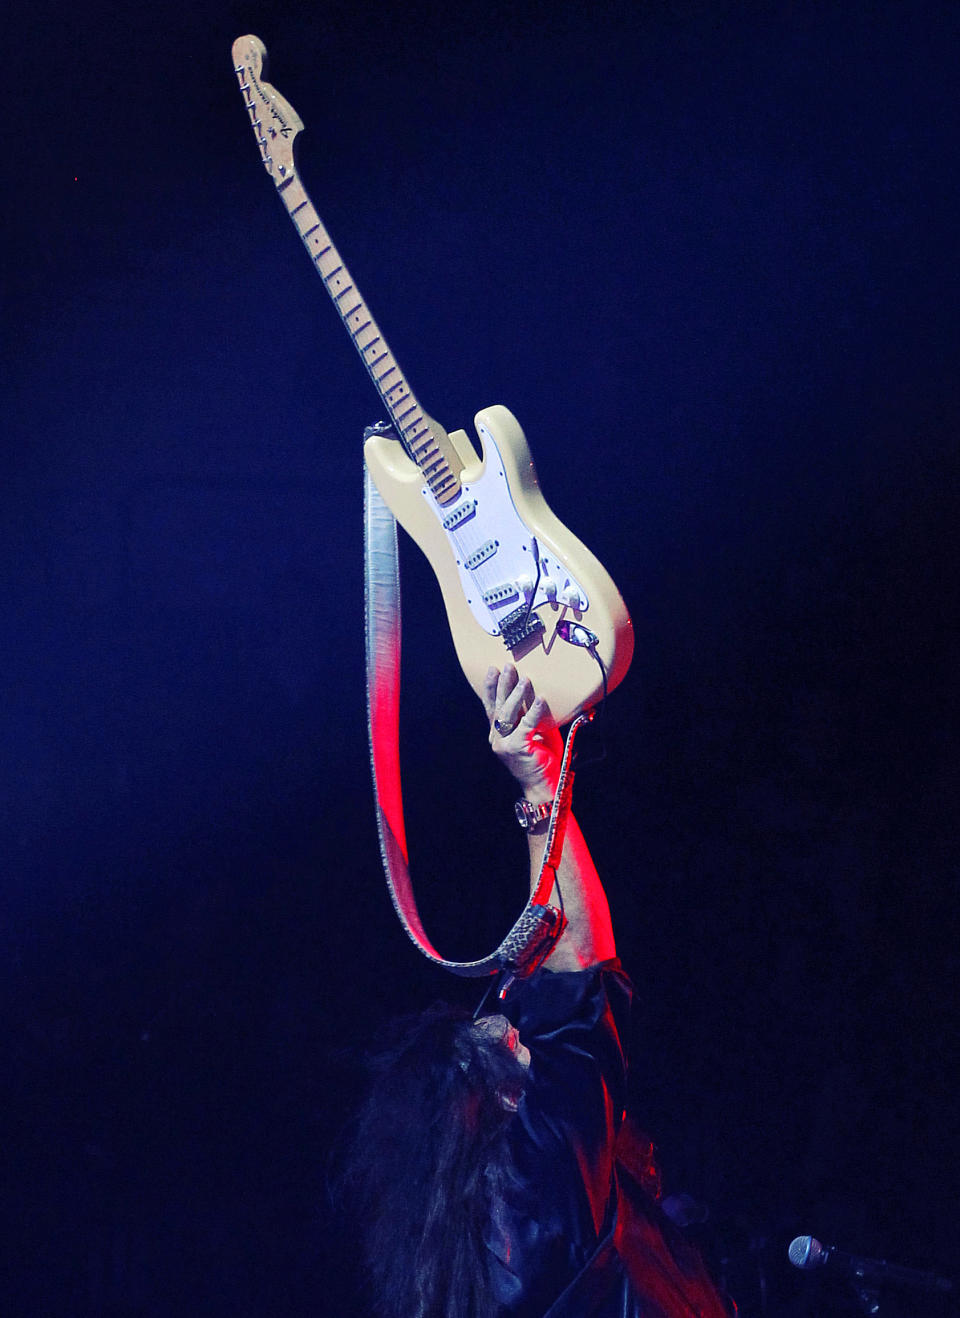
<point x="526" y="739"/>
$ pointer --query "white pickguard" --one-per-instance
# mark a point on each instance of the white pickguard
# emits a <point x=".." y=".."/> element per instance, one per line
<point x="495" y="551"/>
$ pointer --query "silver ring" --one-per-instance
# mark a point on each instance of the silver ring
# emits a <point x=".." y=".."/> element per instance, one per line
<point x="504" y="729"/>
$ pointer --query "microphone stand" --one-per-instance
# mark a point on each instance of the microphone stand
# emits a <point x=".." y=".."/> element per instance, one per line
<point x="868" y="1297"/>
<point x="867" y="1285"/>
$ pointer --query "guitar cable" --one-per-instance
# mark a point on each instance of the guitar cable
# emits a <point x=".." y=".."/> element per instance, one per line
<point x="590" y="646"/>
<point x="597" y="722"/>
<point x="503" y="981"/>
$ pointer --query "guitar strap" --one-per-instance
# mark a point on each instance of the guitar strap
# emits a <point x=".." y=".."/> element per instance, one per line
<point x="540" y="924"/>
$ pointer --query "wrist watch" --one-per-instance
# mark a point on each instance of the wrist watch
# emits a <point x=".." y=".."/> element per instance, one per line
<point x="529" y="815"/>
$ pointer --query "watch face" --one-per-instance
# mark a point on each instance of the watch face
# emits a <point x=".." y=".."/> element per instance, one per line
<point x="528" y="815"/>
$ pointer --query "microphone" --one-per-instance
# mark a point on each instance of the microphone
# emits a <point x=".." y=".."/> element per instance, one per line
<point x="807" y="1254"/>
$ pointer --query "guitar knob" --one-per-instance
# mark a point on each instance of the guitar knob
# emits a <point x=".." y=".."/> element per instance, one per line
<point x="524" y="586"/>
<point x="549" y="588"/>
<point x="570" y="596"/>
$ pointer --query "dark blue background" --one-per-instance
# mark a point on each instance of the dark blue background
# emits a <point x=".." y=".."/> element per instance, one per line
<point x="707" y="253"/>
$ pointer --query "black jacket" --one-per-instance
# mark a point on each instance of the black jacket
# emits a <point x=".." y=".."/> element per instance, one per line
<point x="576" y="1234"/>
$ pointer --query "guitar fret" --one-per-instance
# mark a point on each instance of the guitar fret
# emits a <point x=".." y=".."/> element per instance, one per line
<point x="347" y="314"/>
<point x="389" y="371"/>
<point x="323" y="251"/>
<point x="343" y="292"/>
<point x="354" y="333"/>
<point x="306" y="235"/>
<point x="285" y="184"/>
<point x="334" y="271"/>
<point x="296" y="208"/>
<point x="401" y="415"/>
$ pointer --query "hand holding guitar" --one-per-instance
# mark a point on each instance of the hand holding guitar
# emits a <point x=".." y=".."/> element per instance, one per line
<point x="523" y="732"/>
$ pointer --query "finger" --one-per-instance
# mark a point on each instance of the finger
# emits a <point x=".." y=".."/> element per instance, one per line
<point x="511" y="710"/>
<point x="488" y="692"/>
<point x="506" y="682"/>
<point x="539" y="717"/>
<point x="539" y="725"/>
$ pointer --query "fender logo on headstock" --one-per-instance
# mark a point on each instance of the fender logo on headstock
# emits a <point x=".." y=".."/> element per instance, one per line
<point x="285" y="129"/>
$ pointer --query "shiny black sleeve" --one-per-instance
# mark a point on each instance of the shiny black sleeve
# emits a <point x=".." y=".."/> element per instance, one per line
<point x="575" y="1024"/>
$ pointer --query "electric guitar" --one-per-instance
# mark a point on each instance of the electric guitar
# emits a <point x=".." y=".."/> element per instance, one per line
<point x="516" y="584"/>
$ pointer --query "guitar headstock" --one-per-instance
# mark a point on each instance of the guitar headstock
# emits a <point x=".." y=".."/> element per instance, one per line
<point x="275" y="122"/>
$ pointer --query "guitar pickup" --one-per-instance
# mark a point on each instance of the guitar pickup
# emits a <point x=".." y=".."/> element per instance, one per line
<point x="459" y="515"/>
<point x="500" y="594"/>
<point x="486" y="550"/>
<point x="518" y="626"/>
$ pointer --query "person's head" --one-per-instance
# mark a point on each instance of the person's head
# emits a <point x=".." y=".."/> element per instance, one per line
<point x="499" y="1031"/>
<point x="430" y="1157"/>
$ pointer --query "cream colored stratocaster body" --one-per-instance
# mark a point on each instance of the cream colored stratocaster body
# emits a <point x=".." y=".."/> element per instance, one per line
<point x="516" y="584"/>
<point x="530" y="564"/>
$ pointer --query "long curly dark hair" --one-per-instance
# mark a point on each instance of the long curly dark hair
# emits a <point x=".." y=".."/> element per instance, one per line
<point x="426" y="1162"/>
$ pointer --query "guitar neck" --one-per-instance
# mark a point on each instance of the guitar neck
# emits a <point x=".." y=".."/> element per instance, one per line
<point x="424" y="440"/>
